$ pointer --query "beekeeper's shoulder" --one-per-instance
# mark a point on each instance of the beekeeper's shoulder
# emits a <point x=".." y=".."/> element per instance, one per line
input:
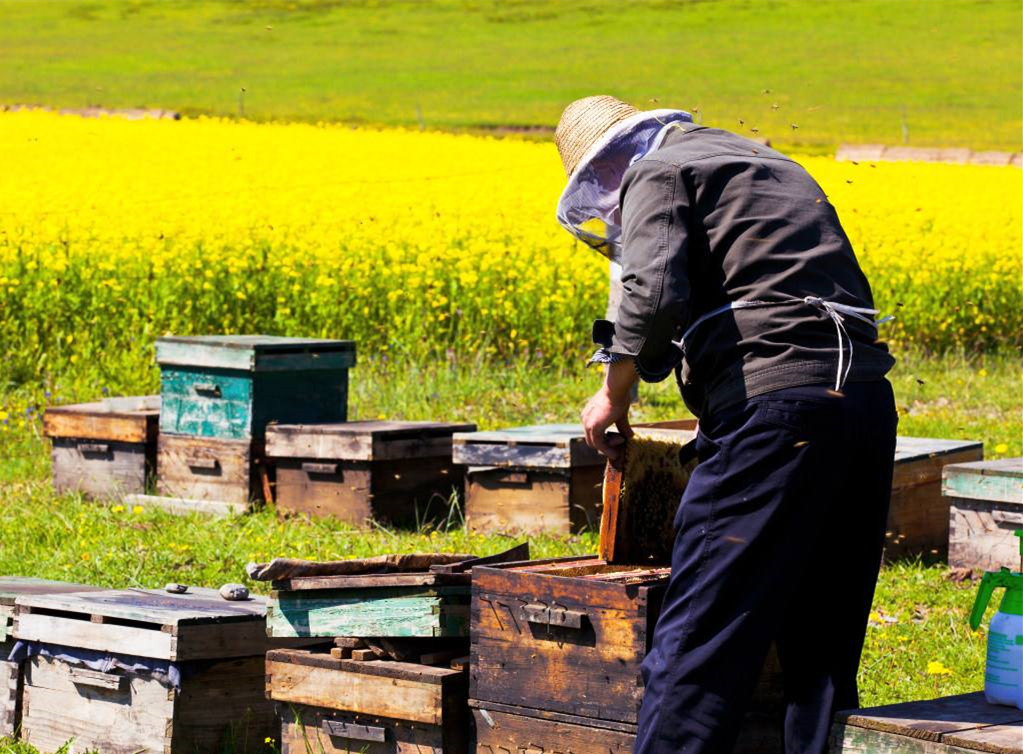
<point x="689" y="143"/>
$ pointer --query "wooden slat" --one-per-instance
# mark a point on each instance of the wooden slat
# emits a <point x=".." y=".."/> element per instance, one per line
<point x="374" y="581"/>
<point x="10" y="695"/>
<point x="548" y="446"/>
<point x="255" y="352"/>
<point x="97" y="636"/>
<point x="1000" y="480"/>
<point x="356" y="692"/>
<point x="504" y="733"/>
<point x="363" y="441"/>
<point x="849" y="739"/>
<point x="197" y="605"/>
<point x="368" y="613"/>
<point x="303" y="732"/>
<point x="12" y="587"/>
<point x="108" y="470"/>
<point x="981" y="534"/>
<point x="997" y="739"/>
<point x="908" y="449"/>
<point x="131" y="420"/>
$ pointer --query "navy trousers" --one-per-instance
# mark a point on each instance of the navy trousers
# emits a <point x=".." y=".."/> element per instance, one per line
<point x="779" y="539"/>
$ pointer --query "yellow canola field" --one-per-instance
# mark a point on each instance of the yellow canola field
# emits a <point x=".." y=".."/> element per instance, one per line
<point x="113" y="232"/>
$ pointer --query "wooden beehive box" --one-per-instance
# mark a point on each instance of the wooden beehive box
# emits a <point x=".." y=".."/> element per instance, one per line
<point x="375" y="706"/>
<point x="530" y="479"/>
<point x="397" y="472"/>
<point x="231" y="386"/>
<point x="986" y="506"/>
<point x="950" y="725"/>
<point x="562" y="641"/>
<point x="105" y="449"/>
<point x="218" y="395"/>
<point x="107" y="677"/>
<point x="12" y="587"/>
<point x="918" y="515"/>
<point x="373" y="605"/>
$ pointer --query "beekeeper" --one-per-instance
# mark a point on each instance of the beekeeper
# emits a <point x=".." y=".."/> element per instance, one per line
<point x="738" y="277"/>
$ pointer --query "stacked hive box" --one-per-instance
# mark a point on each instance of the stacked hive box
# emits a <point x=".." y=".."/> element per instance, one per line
<point x="918" y="515"/>
<point x="530" y="479"/>
<point x="219" y="393"/>
<point x="388" y="471"/>
<point x="11" y="673"/>
<point x="105" y="449"/>
<point x="986" y="507"/>
<point x="556" y="653"/>
<point x="389" y="684"/>
<point x="143" y="670"/>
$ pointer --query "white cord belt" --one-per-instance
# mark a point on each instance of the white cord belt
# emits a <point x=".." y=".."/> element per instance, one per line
<point x="836" y="311"/>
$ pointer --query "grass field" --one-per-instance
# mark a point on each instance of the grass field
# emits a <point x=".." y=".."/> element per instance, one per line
<point x="856" y="71"/>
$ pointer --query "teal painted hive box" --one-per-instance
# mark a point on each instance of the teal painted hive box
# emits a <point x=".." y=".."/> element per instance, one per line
<point x="232" y="386"/>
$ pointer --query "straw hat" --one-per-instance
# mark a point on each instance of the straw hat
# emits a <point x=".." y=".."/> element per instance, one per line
<point x="583" y="122"/>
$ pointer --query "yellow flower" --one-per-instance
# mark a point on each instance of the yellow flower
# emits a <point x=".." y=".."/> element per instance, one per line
<point x="1001" y="448"/>
<point x="137" y="509"/>
<point x="117" y="509"/>
<point x="935" y="667"/>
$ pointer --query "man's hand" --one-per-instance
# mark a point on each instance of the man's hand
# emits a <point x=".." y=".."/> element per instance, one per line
<point x="610" y="406"/>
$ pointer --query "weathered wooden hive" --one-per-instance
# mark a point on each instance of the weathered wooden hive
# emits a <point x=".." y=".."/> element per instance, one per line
<point x="134" y="670"/>
<point x="556" y="649"/>
<point x="105" y="449"/>
<point x="218" y="395"/>
<point x="11" y="673"/>
<point x="530" y="479"/>
<point x="986" y="507"/>
<point x="396" y="472"/>
<point x="333" y="704"/>
<point x="918" y="515"/>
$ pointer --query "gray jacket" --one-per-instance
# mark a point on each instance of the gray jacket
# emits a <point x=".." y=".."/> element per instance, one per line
<point x="711" y="218"/>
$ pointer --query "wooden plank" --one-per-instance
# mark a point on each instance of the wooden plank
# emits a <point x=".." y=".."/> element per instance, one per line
<point x="981" y="534"/>
<point x="310" y="729"/>
<point x="181" y="506"/>
<point x="997" y="739"/>
<point x="1000" y="480"/>
<point x="130" y="420"/>
<point x="356" y="692"/>
<point x="499" y="732"/>
<point x="206" y="403"/>
<point x="201" y="468"/>
<point x="518" y="502"/>
<point x="850" y="739"/>
<point x="379" y="612"/>
<point x="10" y="698"/>
<point x="106" y="470"/>
<point x="377" y="580"/>
<point x="536" y="447"/>
<point x="97" y="636"/>
<point x="931" y="719"/>
<point x="363" y="440"/>
<point x="255" y="352"/>
<point x="154" y="606"/>
<point x="12" y="587"/>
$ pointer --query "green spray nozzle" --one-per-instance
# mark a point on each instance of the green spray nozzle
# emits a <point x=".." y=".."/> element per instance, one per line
<point x="1012" y="602"/>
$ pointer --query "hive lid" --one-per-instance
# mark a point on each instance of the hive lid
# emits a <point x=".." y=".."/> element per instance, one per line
<point x="909" y="449"/>
<point x="122" y="419"/>
<point x="12" y="587"/>
<point x="254" y="352"/>
<point x="997" y="481"/>
<point x="363" y="441"/>
<point x="146" y="622"/>
<point x="534" y="446"/>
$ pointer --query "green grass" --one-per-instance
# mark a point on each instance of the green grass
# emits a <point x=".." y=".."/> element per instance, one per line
<point x="850" y="70"/>
<point x="921" y="614"/>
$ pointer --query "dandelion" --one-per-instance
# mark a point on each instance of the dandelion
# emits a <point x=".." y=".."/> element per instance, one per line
<point x="935" y="667"/>
<point x="117" y="509"/>
<point x="137" y="509"/>
<point x="1001" y="448"/>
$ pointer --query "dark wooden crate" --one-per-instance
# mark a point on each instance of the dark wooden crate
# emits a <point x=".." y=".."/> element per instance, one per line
<point x="104" y="449"/>
<point x="370" y="706"/>
<point x="986" y="507"/>
<point x="11" y="673"/>
<point x="530" y="479"/>
<point x="231" y="387"/>
<point x="373" y="605"/>
<point x="553" y="636"/>
<point x="395" y="472"/>
<point x="950" y="725"/>
<point x="211" y="469"/>
<point x="918" y="515"/>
